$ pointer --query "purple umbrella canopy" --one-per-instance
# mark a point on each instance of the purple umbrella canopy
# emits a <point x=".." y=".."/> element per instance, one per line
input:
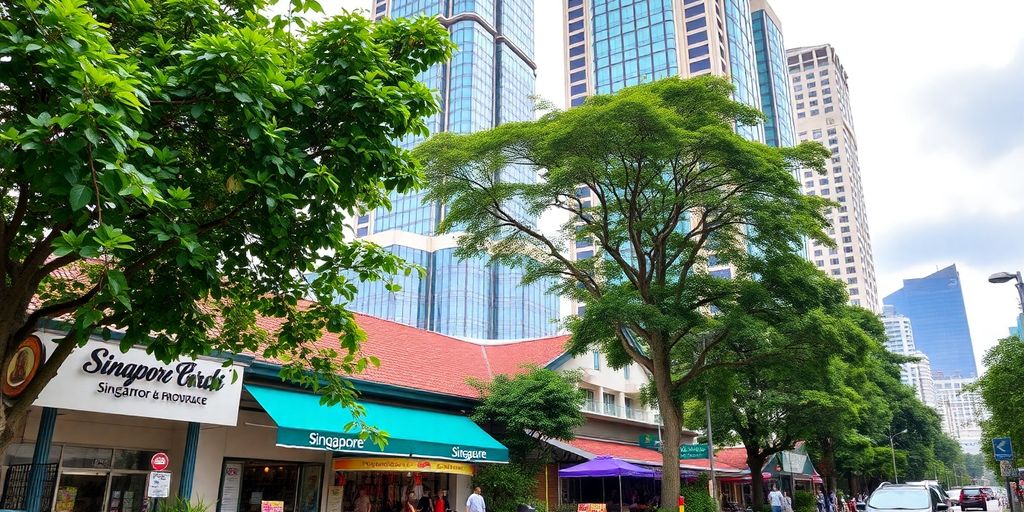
<point x="607" y="466"/>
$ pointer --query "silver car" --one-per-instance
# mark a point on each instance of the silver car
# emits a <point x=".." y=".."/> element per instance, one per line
<point x="903" y="497"/>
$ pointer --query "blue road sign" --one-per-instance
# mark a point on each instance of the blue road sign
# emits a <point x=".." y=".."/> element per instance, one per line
<point x="1002" y="448"/>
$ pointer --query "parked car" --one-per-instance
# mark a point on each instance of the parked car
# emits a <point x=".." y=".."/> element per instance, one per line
<point x="904" y="498"/>
<point x="976" y="497"/>
<point x="935" y="487"/>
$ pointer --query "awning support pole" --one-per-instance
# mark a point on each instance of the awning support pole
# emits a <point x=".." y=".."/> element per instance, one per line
<point x="40" y="456"/>
<point x="620" y="493"/>
<point x="188" y="463"/>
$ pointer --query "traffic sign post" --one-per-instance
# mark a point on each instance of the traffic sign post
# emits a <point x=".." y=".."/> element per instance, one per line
<point x="159" y="461"/>
<point x="1002" y="448"/>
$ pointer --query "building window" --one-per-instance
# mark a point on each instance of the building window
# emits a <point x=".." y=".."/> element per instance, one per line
<point x="597" y="360"/>
<point x="609" y="404"/>
<point x="362" y="231"/>
<point x="625" y="373"/>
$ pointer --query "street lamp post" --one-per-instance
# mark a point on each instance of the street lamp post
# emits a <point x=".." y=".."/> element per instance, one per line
<point x="1002" y="277"/>
<point x="892" y="449"/>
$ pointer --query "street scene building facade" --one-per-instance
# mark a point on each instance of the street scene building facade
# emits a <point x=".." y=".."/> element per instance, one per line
<point x="935" y="306"/>
<point x="489" y="81"/>
<point x="962" y="411"/>
<point x="822" y="104"/>
<point x="917" y="374"/>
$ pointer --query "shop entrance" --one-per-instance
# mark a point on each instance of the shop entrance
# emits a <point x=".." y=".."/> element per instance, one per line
<point x="247" y="484"/>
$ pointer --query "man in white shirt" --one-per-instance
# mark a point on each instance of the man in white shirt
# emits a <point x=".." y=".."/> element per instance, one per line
<point x="776" y="499"/>
<point x="475" y="503"/>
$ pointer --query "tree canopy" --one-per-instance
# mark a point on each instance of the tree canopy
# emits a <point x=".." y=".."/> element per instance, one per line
<point x="673" y="200"/>
<point x="177" y="168"/>
<point x="1000" y="388"/>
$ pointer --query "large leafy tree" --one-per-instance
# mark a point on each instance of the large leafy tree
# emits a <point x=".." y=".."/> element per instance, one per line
<point x="672" y="191"/>
<point x="1000" y="388"/>
<point x="798" y="318"/>
<point x="177" y="168"/>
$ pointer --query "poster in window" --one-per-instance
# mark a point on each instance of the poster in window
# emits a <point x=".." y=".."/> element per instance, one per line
<point x="231" y="489"/>
<point x="309" y="490"/>
<point x="66" y="499"/>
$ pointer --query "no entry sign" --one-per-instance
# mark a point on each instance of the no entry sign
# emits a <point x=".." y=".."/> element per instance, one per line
<point x="159" y="461"/>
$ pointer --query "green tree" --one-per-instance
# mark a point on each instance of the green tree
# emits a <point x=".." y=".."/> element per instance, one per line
<point x="799" y="314"/>
<point x="669" y="185"/>
<point x="523" y="411"/>
<point x="177" y="168"/>
<point x="527" y="409"/>
<point x="1000" y="388"/>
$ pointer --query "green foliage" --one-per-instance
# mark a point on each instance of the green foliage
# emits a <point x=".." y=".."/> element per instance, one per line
<point x="1000" y="388"/>
<point x="529" y="408"/>
<point x="804" y="501"/>
<point x="670" y="184"/>
<point x="697" y="497"/>
<point x="182" y="168"/>
<point x="181" y="505"/>
<point x="506" y="486"/>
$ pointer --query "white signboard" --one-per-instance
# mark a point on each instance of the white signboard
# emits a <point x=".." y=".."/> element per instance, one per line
<point x="159" y="484"/>
<point x="335" y="498"/>
<point x="232" y="487"/>
<point x="100" y="378"/>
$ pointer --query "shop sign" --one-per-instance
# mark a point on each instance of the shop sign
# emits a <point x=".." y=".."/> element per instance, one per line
<point x="159" y="461"/>
<point x="352" y="442"/>
<point x="22" y="366"/>
<point x="159" y="484"/>
<point x="231" y="487"/>
<point x="402" y="464"/>
<point x="98" y="377"/>
<point x="693" y="451"/>
<point x="650" y="441"/>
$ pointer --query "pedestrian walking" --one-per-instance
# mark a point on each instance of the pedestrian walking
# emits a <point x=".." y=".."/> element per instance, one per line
<point x="476" y="502"/>
<point x="776" y="499"/>
<point x="787" y="503"/>
<point x="819" y="499"/>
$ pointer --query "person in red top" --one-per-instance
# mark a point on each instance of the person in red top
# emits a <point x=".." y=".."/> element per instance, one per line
<point x="440" y="505"/>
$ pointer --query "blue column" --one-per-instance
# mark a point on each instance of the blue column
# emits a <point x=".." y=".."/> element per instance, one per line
<point x="188" y="463"/>
<point x="40" y="456"/>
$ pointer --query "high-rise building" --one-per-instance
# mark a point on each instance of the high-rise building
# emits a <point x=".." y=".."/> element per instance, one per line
<point x="611" y="44"/>
<point x="962" y="411"/>
<point x="935" y="306"/>
<point x="772" y="76"/>
<point x="489" y="80"/>
<point x="822" y="104"/>
<point x="916" y="374"/>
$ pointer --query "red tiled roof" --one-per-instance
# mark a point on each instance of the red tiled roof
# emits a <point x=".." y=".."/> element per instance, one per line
<point x="735" y="457"/>
<point x="419" y="359"/>
<point x="634" y="453"/>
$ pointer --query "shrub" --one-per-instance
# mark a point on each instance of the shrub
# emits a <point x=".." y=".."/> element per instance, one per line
<point x="804" y="501"/>
<point x="181" y="505"/>
<point x="697" y="498"/>
<point x="507" y="485"/>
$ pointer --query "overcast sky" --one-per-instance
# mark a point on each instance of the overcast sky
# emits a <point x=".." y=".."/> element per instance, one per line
<point x="937" y="91"/>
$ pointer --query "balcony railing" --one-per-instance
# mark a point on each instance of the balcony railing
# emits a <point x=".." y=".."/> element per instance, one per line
<point x="610" y="409"/>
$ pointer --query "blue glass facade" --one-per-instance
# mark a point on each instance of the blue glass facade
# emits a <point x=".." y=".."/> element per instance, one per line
<point x="633" y="42"/>
<point x="772" y="77"/>
<point x="935" y="306"/>
<point x="743" y="67"/>
<point x="490" y="80"/>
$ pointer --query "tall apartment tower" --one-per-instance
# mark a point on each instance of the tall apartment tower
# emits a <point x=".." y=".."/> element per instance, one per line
<point x="822" y="105"/>
<point x="918" y="374"/>
<point x="489" y="81"/>
<point x="935" y="305"/>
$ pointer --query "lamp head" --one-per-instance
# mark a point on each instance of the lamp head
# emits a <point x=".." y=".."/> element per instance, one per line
<point x="1000" y="277"/>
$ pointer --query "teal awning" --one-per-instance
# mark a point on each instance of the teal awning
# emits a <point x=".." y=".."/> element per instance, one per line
<point x="303" y="423"/>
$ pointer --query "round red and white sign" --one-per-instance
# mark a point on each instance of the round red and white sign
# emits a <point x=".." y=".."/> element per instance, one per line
<point x="160" y="461"/>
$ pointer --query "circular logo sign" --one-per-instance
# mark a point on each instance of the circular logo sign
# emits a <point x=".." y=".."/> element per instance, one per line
<point x="160" y="461"/>
<point x="22" y="367"/>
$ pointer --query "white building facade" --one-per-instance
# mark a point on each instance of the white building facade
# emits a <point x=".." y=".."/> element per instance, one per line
<point x="962" y="411"/>
<point x="916" y="374"/>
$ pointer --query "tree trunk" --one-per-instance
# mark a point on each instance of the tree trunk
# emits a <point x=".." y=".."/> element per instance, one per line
<point x="828" y="464"/>
<point x="755" y="462"/>
<point x="671" y="436"/>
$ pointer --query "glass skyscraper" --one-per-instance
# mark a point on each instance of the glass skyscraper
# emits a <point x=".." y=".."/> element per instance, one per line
<point x="772" y="76"/>
<point x="611" y="44"/>
<point x="935" y="306"/>
<point x="489" y="81"/>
